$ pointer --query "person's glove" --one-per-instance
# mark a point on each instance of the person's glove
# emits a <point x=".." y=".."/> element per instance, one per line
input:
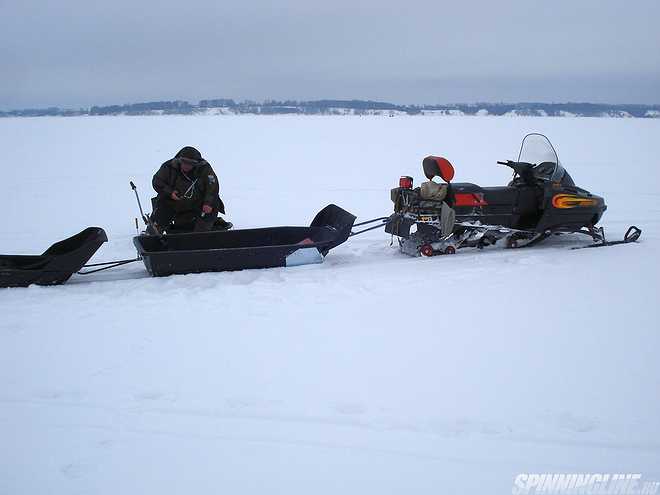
<point x="175" y="196"/>
<point x="207" y="209"/>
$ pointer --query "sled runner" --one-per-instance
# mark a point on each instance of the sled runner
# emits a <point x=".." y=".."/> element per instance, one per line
<point x="54" y="266"/>
<point x="247" y="248"/>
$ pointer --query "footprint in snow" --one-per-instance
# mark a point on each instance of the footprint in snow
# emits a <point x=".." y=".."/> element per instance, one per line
<point x="238" y="403"/>
<point x="572" y="422"/>
<point x="578" y="424"/>
<point x="74" y="470"/>
<point x="151" y="396"/>
<point x="350" y="408"/>
<point x="59" y="395"/>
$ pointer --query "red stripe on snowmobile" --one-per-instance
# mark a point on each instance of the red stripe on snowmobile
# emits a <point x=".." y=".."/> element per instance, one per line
<point x="469" y="199"/>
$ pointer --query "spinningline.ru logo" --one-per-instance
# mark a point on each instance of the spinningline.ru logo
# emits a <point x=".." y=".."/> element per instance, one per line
<point x="583" y="484"/>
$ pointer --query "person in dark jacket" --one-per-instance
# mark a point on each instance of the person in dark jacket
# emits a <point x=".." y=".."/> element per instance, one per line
<point x="188" y="197"/>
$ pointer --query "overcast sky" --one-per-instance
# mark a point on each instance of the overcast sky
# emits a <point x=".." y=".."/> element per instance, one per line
<point x="84" y="52"/>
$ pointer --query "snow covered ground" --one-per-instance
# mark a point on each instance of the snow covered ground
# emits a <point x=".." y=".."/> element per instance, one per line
<point x="371" y="373"/>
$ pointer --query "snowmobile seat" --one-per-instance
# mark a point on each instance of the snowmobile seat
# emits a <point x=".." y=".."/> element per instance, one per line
<point x="466" y="193"/>
<point x="55" y="265"/>
<point x="459" y="191"/>
<point x="466" y="187"/>
<point x="501" y="195"/>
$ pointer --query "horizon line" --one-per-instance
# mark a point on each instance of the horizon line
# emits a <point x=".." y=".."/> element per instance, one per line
<point x="275" y="102"/>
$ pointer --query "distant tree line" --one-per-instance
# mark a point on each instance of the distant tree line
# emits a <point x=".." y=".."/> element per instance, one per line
<point x="338" y="107"/>
<point x="144" y="108"/>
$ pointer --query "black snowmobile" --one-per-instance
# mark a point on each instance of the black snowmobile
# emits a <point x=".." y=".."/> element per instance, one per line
<point x="541" y="200"/>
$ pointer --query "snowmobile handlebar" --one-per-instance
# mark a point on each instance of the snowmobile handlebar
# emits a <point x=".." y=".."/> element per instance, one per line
<point x="521" y="168"/>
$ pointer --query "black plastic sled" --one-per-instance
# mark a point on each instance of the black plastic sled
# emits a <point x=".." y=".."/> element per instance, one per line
<point x="249" y="248"/>
<point x="56" y="265"/>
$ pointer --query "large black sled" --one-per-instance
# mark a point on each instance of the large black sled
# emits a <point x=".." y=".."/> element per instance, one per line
<point x="247" y="248"/>
<point x="56" y="265"/>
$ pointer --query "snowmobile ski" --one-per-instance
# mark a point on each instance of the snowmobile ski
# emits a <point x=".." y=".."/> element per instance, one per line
<point x="632" y="235"/>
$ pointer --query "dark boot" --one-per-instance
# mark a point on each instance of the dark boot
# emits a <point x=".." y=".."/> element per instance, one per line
<point x="205" y="222"/>
<point x="221" y="224"/>
<point x="153" y="229"/>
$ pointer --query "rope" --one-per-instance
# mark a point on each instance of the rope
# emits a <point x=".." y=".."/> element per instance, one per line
<point x="383" y="221"/>
<point x="370" y="221"/>
<point x="107" y="265"/>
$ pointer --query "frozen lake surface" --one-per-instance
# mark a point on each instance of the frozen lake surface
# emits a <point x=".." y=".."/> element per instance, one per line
<point x="371" y="373"/>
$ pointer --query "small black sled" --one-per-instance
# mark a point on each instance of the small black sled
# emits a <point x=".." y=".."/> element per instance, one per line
<point x="541" y="200"/>
<point x="56" y="265"/>
<point x="267" y="247"/>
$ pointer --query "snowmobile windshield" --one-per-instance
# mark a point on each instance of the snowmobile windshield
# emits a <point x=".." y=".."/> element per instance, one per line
<point x="537" y="150"/>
